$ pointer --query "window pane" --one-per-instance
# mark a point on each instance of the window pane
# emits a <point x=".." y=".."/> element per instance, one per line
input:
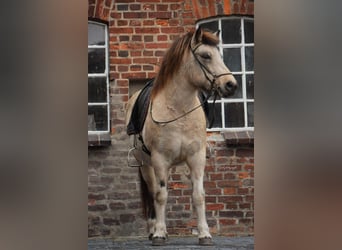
<point x="250" y="86"/>
<point x="234" y="115"/>
<point x="250" y="114"/>
<point x="249" y="31"/>
<point x="238" y="91"/>
<point x="97" y="118"/>
<point x="96" y="60"/>
<point x="96" y="34"/>
<point x="231" y="31"/>
<point x="213" y="26"/>
<point x="249" y="58"/>
<point x="218" y="117"/>
<point x="232" y="59"/>
<point x="97" y="89"/>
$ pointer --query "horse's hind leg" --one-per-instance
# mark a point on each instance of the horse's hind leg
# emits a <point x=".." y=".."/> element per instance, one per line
<point x="148" y="184"/>
<point x="197" y="165"/>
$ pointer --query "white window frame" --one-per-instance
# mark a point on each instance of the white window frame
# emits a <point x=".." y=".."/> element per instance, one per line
<point x="105" y="74"/>
<point x="243" y="72"/>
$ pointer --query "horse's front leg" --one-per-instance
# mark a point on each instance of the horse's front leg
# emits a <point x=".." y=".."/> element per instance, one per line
<point x="160" y="199"/>
<point x="197" y="165"/>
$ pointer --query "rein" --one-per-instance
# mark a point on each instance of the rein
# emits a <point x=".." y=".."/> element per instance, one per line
<point x="213" y="90"/>
<point x="181" y="116"/>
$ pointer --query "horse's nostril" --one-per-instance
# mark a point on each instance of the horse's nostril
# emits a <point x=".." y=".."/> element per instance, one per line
<point x="231" y="86"/>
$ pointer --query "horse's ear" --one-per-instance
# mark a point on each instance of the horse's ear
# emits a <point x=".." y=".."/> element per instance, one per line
<point x="197" y="38"/>
<point x="217" y="33"/>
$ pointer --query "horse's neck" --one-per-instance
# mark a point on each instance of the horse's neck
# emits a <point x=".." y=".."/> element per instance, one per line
<point x="179" y="94"/>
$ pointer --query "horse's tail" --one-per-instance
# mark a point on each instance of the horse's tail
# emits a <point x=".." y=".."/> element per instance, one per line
<point x="146" y="199"/>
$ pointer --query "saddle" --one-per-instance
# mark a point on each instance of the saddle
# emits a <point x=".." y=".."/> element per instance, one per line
<point x="140" y="108"/>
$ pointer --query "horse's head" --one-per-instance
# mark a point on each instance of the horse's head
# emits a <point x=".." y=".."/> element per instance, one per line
<point x="207" y="67"/>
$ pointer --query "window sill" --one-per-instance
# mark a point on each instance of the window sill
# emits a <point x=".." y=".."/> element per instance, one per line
<point x="239" y="138"/>
<point x="101" y="139"/>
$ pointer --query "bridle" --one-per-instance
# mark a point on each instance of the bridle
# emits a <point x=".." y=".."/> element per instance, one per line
<point x="214" y="91"/>
<point x="206" y="71"/>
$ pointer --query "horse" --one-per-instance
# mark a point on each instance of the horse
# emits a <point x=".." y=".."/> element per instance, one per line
<point x="174" y="130"/>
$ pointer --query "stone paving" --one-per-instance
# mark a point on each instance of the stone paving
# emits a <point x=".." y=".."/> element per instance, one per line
<point x="174" y="243"/>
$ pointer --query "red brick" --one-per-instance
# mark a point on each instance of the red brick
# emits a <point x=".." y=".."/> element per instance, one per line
<point x="162" y="22"/>
<point x="136" y="53"/>
<point x="148" y="38"/>
<point x="210" y="199"/>
<point x="229" y="191"/>
<point x="120" y="61"/>
<point x="169" y="30"/>
<point x="231" y="214"/>
<point x="135" y="6"/>
<point x="228" y="221"/>
<point x="137" y="75"/>
<point x="148" y="6"/>
<point x="157" y="45"/>
<point x="122" y="22"/>
<point x="120" y="30"/>
<point x="148" y="68"/>
<point x="135" y="23"/>
<point x="230" y="183"/>
<point x="183" y="200"/>
<point x="243" y="175"/>
<point x="214" y="206"/>
<point x="148" y="22"/>
<point x="150" y="30"/>
<point x="148" y="53"/>
<point x="229" y="176"/>
<point x="145" y="60"/>
<point x="245" y="205"/>
<point x="213" y="191"/>
<point x="209" y="184"/>
<point x="134" y="15"/>
<point x="177" y="185"/>
<point x="175" y="6"/>
<point x="160" y="15"/>
<point x="215" y="177"/>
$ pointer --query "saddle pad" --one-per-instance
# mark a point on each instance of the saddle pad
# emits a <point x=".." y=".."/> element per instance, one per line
<point x="140" y="110"/>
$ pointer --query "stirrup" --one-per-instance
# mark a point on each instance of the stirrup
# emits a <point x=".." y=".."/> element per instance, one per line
<point x="131" y="161"/>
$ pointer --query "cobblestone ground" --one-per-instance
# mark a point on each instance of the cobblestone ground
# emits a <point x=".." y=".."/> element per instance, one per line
<point x="174" y="243"/>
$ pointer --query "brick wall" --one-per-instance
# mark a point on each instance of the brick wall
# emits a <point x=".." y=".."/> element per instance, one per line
<point x="140" y="32"/>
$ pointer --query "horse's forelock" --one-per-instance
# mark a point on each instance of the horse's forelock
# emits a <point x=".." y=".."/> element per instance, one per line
<point x="209" y="38"/>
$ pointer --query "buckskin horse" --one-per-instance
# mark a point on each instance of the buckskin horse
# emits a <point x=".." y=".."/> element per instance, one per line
<point x="174" y="126"/>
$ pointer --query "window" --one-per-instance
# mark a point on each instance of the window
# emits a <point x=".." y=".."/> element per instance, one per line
<point x="98" y="82"/>
<point x="237" y="50"/>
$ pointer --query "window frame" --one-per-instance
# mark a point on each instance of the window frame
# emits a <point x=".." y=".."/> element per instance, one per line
<point x="104" y="74"/>
<point x="242" y="45"/>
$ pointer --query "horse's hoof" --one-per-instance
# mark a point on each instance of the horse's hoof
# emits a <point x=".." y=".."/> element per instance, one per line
<point x="206" y="241"/>
<point x="158" y="241"/>
<point x="150" y="236"/>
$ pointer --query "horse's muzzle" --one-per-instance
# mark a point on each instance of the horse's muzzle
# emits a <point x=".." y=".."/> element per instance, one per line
<point x="230" y="88"/>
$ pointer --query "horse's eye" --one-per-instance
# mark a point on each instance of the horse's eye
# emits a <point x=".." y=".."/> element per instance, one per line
<point x="205" y="56"/>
